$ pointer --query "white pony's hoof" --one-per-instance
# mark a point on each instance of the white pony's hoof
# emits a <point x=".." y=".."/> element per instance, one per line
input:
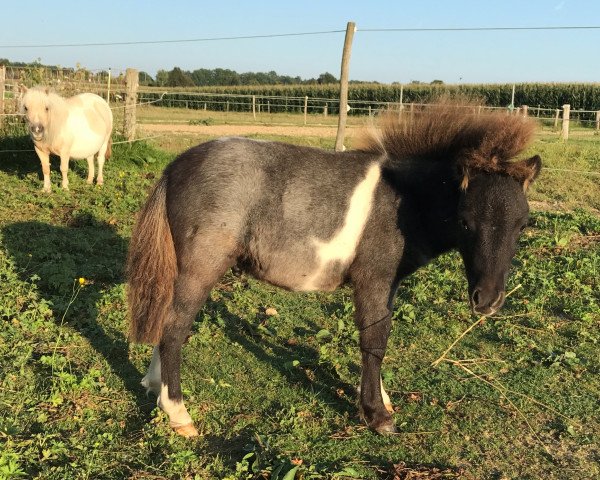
<point x="186" y="431"/>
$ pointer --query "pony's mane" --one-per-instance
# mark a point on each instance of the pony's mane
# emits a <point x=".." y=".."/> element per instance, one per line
<point x="453" y="131"/>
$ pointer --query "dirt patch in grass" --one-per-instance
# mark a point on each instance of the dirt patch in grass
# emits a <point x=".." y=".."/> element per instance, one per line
<point x="232" y="130"/>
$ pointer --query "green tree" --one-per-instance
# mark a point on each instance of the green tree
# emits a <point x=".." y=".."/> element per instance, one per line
<point x="145" y="79"/>
<point x="325" y="78"/>
<point x="162" y="77"/>
<point x="179" y="78"/>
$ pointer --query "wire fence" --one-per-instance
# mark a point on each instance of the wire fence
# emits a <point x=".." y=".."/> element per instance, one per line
<point x="258" y="107"/>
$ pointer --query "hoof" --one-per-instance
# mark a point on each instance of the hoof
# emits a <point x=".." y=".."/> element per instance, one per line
<point x="186" y="431"/>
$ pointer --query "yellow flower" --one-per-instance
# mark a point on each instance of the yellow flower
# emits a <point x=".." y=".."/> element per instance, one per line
<point x="81" y="281"/>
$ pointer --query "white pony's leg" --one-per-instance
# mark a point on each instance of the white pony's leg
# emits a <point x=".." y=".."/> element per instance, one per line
<point x="90" y="177"/>
<point x="64" y="170"/>
<point x="101" y="158"/>
<point x="45" y="161"/>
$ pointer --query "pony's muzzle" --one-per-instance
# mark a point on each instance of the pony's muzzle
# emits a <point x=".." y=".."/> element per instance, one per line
<point x="487" y="301"/>
<point x="37" y="130"/>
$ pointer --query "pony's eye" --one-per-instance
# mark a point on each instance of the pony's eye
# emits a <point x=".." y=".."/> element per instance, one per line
<point x="47" y="108"/>
<point x="523" y="227"/>
<point x="25" y="108"/>
<point x="463" y="224"/>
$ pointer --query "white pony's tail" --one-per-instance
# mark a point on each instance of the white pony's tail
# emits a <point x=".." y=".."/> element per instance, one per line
<point x="108" y="149"/>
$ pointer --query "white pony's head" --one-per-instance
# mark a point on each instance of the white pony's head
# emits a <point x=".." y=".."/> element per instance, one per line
<point x="36" y="104"/>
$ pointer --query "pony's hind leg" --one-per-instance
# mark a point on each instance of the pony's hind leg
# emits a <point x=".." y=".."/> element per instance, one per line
<point x="194" y="282"/>
<point x="101" y="158"/>
<point x="90" y="177"/>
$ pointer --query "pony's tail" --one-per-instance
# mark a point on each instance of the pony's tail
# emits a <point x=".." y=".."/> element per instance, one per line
<point x="151" y="269"/>
<point x="108" y="149"/>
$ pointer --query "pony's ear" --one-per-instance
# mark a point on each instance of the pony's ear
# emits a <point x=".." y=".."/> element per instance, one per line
<point x="532" y="167"/>
<point x="525" y="171"/>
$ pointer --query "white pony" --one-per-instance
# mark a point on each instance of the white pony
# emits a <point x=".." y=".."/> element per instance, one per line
<point x="76" y="127"/>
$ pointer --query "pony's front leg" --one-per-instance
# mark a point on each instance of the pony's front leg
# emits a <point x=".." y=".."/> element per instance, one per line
<point x="90" y="177"/>
<point x="45" y="161"/>
<point x="373" y="319"/>
<point x="64" y="170"/>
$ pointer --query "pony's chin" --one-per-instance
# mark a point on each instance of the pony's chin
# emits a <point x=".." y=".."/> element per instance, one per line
<point x="484" y="312"/>
<point x="37" y="138"/>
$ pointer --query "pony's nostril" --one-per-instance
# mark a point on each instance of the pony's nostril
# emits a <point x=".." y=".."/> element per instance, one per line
<point x="499" y="300"/>
<point x="476" y="296"/>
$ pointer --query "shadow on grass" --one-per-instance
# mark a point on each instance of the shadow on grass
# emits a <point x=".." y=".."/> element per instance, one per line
<point x="18" y="158"/>
<point x="279" y="355"/>
<point x="53" y="258"/>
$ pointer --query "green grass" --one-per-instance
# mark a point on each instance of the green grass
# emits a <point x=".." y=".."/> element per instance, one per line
<point x="271" y="394"/>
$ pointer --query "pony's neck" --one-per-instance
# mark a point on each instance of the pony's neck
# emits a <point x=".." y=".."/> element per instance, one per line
<point x="429" y="193"/>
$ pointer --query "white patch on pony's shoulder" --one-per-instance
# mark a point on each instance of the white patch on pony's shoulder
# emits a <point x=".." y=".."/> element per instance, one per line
<point x="178" y="414"/>
<point x="342" y="247"/>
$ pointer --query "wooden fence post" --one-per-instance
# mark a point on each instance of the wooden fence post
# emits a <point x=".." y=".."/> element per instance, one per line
<point x="2" y="86"/>
<point x="325" y="110"/>
<point x="524" y="109"/>
<point x="598" y="120"/>
<point x="305" y="108"/>
<point x="254" y="106"/>
<point x="565" y="123"/>
<point x="343" y="113"/>
<point x="556" y="118"/>
<point x="131" y="86"/>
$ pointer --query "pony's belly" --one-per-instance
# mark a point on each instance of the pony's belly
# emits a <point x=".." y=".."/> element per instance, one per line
<point x="85" y="145"/>
<point x="85" y="139"/>
<point x="301" y="275"/>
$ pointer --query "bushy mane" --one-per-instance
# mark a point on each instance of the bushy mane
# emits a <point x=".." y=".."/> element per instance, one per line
<point x="453" y="131"/>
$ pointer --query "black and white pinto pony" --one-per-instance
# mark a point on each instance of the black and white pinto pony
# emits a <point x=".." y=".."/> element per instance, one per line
<point x="306" y="219"/>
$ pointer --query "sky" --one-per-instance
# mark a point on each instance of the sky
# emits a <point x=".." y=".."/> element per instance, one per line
<point x="453" y="57"/>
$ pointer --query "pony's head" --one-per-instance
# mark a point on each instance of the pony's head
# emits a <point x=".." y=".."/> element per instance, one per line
<point x="479" y="148"/>
<point x="36" y="104"/>
<point x="492" y="212"/>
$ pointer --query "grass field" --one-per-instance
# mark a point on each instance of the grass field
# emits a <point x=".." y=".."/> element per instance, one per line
<point x="274" y="396"/>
